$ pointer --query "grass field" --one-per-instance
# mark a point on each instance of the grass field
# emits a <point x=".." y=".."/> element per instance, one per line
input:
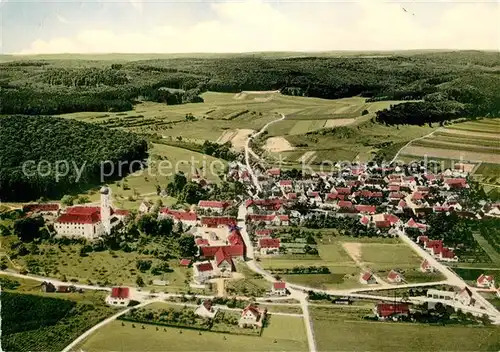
<point x="347" y="331"/>
<point x="288" y="332"/>
<point x="380" y="255"/>
<point x="475" y="141"/>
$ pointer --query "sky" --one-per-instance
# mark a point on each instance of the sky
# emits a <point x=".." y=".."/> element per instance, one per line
<point x="167" y="26"/>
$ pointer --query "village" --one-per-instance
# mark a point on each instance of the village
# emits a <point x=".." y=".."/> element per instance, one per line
<point x="385" y="202"/>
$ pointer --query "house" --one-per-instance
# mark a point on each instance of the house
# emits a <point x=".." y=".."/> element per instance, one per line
<point x="485" y="281"/>
<point x="286" y="184"/>
<point x="274" y="172"/>
<point x="393" y="311"/>
<point x="252" y="317"/>
<point x="426" y="267"/>
<point x="279" y="288"/>
<point x="412" y="224"/>
<point x="185" y="262"/>
<point x="395" y="277"/>
<point x="365" y="220"/>
<point x="47" y="287"/>
<point x="41" y="208"/>
<point x="367" y="278"/>
<point x="269" y="245"/>
<point x="120" y="296"/>
<point x="217" y="221"/>
<point x="203" y="271"/>
<point x="206" y="309"/>
<point x="145" y="207"/>
<point x="184" y="217"/>
<point x="214" y="206"/>
<point x="223" y="261"/>
<point x="365" y="209"/>
<point x="263" y="232"/>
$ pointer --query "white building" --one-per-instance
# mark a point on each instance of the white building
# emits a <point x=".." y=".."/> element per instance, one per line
<point x="206" y="310"/>
<point x="252" y="317"/>
<point x="119" y="297"/>
<point x="89" y="222"/>
<point x="203" y="272"/>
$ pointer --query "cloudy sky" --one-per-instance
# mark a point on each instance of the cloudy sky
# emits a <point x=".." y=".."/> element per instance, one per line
<point x="167" y="26"/>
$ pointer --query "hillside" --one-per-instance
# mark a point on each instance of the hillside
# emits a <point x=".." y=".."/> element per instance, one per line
<point x="68" y="155"/>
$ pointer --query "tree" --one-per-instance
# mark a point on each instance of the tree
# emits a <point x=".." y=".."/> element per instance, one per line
<point x="187" y="246"/>
<point x="143" y="265"/>
<point x="165" y="227"/>
<point x="140" y="282"/>
<point x="67" y="200"/>
<point x="147" y="224"/>
<point x="27" y="229"/>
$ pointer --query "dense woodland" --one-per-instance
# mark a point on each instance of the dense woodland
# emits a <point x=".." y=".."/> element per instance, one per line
<point x="449" y="84"/>
<point x="83" y="146"/>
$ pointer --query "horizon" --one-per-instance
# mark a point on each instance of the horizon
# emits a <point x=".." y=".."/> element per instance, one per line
<point x="247" y="26"/>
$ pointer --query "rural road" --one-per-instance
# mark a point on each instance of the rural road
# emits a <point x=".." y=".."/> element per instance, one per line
<point x="248" y="150"/>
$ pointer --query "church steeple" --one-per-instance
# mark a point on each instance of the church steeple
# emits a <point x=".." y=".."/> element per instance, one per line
<point x="106" y="208"/>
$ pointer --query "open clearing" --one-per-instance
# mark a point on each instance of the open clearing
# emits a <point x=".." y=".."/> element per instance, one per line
<point x="277" y="145"/>
<point x="338" y="122"/>
<point x="237" y="138"/>
<point x="289" y="333"/>
<point x="345" y="330"/>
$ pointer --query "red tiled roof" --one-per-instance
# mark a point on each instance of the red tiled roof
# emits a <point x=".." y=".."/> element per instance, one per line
<point x="179" y="215"/>
<point x="185" y="262"/>
<point x="235" y="238"/>
<point x="279" y="285"/>
<point x="79" y="218"/>
<point x="122" y="212"/>
<point x="394" y="188"/>
<point x="333" y="196"/>
<point x="80" y="210"/>
<point x="264" y="232"/>
<point x="313" y="194"/>
<point x="382" y="224"/>
<point x="362" y="208"/>
<point x="205" y="267"/>
<point x="344" y="190"/>
<point x="283" y="217"/>
<point x="388" y="309"/>
<point x="365" y="220"/>
<point x="213" y="204"/>
<point x="285" y="182"/>
<point x="120" y="292"/>
<point x="396" y="195"/>
<point x="484" y="279"/>
<point x="214" y="221"/>
<point x="417" y="196"/>
<point x="393" y="219"/>
<point x="456" y="181"/>
<point x="269" y="243"/>
<point x="345" y="204"/>
<point x="261" y="217"/>
<point x="291" y="195"/>
<point x="253" y="309"/>
<point x="393" y="275"/>
<point x="202" y="242"/>
<point x="447" y="253"/>
<point x="274" y="172"/>
<point x="237" y="250"/>
<point x="222" y="255"/>
<point x="366" y="276"/>
<point x="402" y="204"/>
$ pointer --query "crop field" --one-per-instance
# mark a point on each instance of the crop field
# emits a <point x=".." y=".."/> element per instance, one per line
<point x="475" y="141"/>
<point x="348" y="331"/>
<point x="282" y="334"/>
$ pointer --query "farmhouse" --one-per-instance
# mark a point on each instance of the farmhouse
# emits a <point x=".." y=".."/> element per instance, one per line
<point x="279" y="288"/>
<point x="184" y="217"/>
<point x="485" y="281"/>
<point x="252" y="317"/>
<point x="269" y="245"/>
<point x="395" y="277"/>
<point x="203" y="271"/>
<point x="367" y="278"/>
<point x="120" y="296"/>
<point x="393" y="311"/>
<point x="213" y="206"/>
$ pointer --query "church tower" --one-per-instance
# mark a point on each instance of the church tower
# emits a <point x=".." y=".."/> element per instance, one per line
<point x="106" y="209"/>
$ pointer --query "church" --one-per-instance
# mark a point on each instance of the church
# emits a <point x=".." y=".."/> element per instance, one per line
<point x="90" y="222"/>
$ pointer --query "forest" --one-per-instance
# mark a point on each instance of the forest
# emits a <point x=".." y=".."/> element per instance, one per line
<point x="63" y="156"/>
<point x="447" y="85"/>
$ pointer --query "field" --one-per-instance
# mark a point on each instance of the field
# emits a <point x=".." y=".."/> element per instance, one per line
<point x="346" y="258"/>
<point x="347" y="331"/>
<point x="474" y="141"/>
<point x="43" y="322"/>
<point x="282" y="334"/>
<point x="106" y="267"/>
